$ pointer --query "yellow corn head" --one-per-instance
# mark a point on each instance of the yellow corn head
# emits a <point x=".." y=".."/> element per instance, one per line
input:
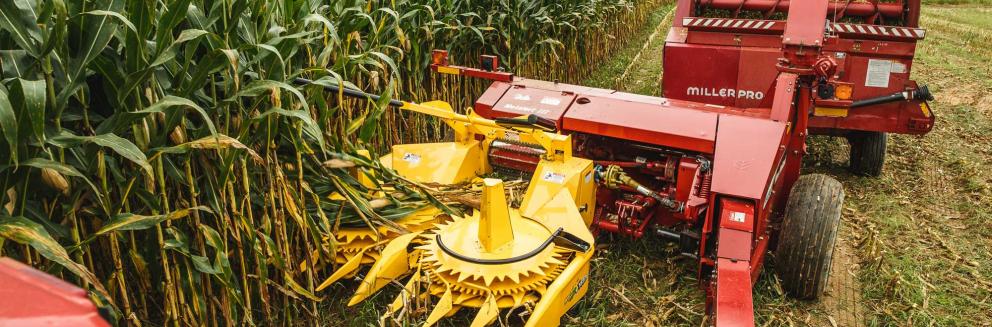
<point x="534" y="258"/>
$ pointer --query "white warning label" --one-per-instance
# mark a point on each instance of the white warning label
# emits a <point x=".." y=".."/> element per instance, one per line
<point x="550" y="176"/>
<point x="550" y="101"/>
<point x="411" y="158"/>
<point x="878" y="73"/>
<point x="898" y="68"/>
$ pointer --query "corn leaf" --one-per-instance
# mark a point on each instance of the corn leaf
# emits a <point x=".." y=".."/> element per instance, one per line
<point x="15" y="63"/>
<point x="167" y="54"/>
<point x="371" y="122"/>
<point x="130" y="221"/>
<point x="63" y="169"/>
<point x="97" y="32"/>
<point x="309" y="125"/>
<point x="202" y="264"/>
<point x="178" y="242"/>
<point x="8" y="123"/>
<point x="175" y="13"/>
<point x="221" y="262"/>
<point x="17" y="17"/>
<point x="299" y="289"/>
<point x="174" y="101"/>
<point x="60" y="16"/>
<point x="27" y="232"/>
<point x="113" y="14"/>
<point x="115" y="143"/>
<point x="256" y="88"/>
<point x="221" y="141"/>
<point x="29" y="96"/>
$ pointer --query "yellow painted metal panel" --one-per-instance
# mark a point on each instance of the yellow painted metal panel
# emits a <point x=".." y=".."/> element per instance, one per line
<point x="448" y="70"/>
<point x="829" y="112"/>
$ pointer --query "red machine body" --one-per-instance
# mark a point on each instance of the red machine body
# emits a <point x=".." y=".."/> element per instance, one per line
<point x="723" y="165"/>
<point x="29" y="297"/>
<point x="714" y="174"/>
<point x="725" y="52"/>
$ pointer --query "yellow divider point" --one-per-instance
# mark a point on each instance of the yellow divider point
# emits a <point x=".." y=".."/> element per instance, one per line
<point x="392" y="263"/>
<point x="346" y="269"/>
<point x="444" y="305"/>
<point x="487" y="313"/>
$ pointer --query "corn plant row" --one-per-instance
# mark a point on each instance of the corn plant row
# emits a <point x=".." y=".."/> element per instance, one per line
<point x="155" y="153"/>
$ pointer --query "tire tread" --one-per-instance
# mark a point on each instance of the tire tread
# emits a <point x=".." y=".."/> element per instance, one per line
<point x="867" y="153"/>
<point x="808" y="235"/>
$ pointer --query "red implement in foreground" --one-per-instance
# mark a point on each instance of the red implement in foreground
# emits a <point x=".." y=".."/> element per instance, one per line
<point x="29" y="297"/>
<point x="720" y="176"/>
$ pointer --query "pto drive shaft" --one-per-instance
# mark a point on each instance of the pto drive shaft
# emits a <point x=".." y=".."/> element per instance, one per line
<point x="614" y="176"/>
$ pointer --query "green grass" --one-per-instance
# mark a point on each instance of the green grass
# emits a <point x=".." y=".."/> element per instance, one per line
<point x="956" y="2"/>
<point x="930" y="211"/>
<point x="642" y="77"/>
<point x="922" y="229"/>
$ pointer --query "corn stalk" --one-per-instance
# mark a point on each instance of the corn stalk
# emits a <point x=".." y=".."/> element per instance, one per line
<point x="153" y="151"/>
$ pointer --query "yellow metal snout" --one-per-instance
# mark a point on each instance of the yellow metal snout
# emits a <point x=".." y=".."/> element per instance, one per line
<point x="495" y="230"/>
<point x="494" y="259"/>
<point x="499" y="257"/>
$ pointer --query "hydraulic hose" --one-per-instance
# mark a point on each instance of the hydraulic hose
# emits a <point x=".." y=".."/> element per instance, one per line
<point x="560" y="237"/>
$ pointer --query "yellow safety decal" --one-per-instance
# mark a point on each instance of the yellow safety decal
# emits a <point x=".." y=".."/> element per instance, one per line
<point x="925" y="108"/>
<point x="448" y="70"/>
<point x="829" y="112"/>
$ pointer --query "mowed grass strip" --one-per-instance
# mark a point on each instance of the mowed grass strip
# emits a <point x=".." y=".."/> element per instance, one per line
<point x="926" y="222"/>
<point x="920" y="233"/>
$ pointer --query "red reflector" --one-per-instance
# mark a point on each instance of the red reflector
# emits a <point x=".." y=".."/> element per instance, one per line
<point x="439" y="57"/>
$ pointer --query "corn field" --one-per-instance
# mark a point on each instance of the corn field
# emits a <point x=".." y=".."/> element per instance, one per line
<point x="155" y="152"/>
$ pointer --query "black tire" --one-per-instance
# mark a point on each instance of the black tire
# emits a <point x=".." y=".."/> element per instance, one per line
<point x="867" y="153"/>
<point x="808" y="234"/>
